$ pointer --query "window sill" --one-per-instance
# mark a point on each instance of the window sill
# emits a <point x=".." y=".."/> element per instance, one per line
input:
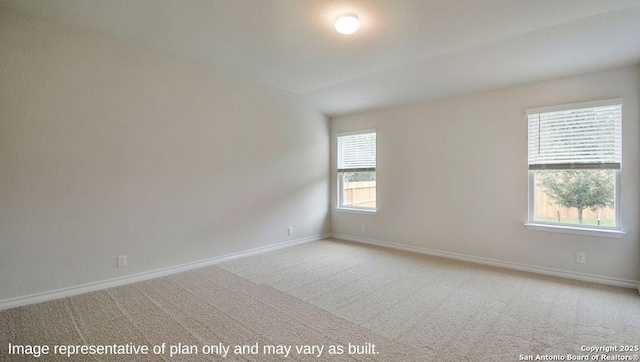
<point x="617" y="234"/>
<point x="357" y="211"/>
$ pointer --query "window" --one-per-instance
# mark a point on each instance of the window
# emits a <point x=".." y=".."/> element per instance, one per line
<point x="575" y="157"/>
<point x="357" y="170"/>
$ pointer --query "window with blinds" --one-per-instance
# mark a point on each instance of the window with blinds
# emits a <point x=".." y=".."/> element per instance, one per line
<point x="575" y="157"/>
<point x="586" y="138"/>
<point x="356" y="166"/>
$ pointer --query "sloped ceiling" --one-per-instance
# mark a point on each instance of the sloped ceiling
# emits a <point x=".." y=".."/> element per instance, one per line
<point x="406" y="50"/>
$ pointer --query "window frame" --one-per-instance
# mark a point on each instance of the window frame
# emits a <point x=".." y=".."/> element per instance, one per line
<point x="340" y="176"/>
<point x="580" y="229"/>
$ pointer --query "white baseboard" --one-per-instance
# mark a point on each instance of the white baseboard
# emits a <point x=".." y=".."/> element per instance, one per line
<point x="634" y="284"/>
<point x="89" y="287"/>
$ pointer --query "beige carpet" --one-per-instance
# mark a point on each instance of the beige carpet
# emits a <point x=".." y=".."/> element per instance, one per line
<point x="455" y="310"/>
<point x="329" y="293"/>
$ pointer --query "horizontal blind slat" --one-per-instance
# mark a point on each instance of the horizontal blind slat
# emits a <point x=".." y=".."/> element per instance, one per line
<point x="586" y="136"/>
<point x="576" y="166"/>
<point x="357" y="151"/>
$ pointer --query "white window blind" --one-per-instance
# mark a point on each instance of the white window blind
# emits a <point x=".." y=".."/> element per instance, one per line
<point x="357" y="152"/>
<point x="579" y="136"/>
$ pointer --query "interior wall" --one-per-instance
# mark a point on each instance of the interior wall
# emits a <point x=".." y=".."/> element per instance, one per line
<point x="107" y="149"/>
<point x="452" y="177"/>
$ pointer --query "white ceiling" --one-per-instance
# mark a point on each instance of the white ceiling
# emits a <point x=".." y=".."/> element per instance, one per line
<point x="405" y="51"/>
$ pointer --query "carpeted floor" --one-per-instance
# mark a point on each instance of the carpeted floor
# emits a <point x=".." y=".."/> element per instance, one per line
<point x="332" y="294"/>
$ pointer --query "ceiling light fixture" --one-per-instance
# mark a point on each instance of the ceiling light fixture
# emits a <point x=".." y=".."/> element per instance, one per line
<point x="347" y="23"/>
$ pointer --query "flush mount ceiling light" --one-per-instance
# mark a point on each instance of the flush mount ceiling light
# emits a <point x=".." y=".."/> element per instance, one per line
<point x="347" y="23"/>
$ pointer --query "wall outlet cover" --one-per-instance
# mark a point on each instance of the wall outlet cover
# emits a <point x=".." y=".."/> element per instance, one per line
<point x="122" y="261"/>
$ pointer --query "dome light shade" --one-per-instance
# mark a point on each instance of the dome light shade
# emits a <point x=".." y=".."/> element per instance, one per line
<point x="347" y="24"/>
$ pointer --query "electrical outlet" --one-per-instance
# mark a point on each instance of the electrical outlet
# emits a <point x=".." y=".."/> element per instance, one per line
<point x="362" y="228"/>
<point x="122" y="261"/>
<point x="290" y="230"/>
<point x="581" y="257"/>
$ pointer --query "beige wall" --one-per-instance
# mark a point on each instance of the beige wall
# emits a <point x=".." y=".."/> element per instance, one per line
<point x="452" y="177"/>
<point x="106" y="149"/>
